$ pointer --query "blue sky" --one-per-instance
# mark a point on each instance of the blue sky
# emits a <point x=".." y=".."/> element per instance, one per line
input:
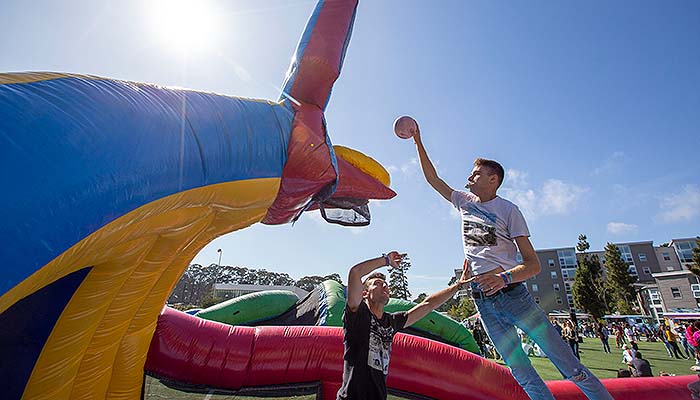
<point x="593" y="108"/>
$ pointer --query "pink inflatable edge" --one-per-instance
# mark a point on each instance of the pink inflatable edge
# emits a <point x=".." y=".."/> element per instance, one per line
<point x="196" y="351"/>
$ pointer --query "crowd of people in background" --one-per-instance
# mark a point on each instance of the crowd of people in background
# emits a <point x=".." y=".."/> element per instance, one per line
<point x="682" y="341"/>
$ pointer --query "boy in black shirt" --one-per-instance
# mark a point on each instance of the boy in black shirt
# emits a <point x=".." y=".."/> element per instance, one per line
<point x="368" y="330"/>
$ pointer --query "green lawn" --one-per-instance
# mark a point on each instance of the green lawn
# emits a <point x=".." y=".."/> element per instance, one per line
<point x="606" y="365"/>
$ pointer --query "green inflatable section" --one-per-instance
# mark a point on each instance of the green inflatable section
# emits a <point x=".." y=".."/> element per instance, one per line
<point x="434" y="323"/>
<point x="330" y="297"/>
<point x="334" y="302"/>
<point x="438" y="325"/>
<point x="250" y="308"/>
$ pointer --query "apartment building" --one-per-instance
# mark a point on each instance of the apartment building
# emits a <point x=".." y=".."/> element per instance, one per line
<point x="551" y="288"/>
<point x="659" y="272"/>
<point x="663" y="282"/>
<point x="684" y="250"/>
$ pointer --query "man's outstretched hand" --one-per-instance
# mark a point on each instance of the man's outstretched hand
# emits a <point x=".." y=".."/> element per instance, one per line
<point x="395" y="258"/>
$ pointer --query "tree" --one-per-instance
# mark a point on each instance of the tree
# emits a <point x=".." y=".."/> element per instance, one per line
<point x="695" y="267"/>
<point x="398" y="281"/>
<point x="588" y="290"/>
<point x="420" y="298"/>
<point x="308" y="283"/>
<point x="194" y="285"/>
<point x="452" y="302"/>
<point x="463" y="309"/>
<point x="619" y="280"/>
<point x="197" y="282"/>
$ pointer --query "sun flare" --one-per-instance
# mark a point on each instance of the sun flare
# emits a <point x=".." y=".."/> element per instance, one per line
<point x="184" y="24"/>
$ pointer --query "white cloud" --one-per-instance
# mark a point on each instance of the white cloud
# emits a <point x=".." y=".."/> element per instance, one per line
<point x="612" y="163"/>
<point x="681" y="207"/>
<point x="410" y="167"/>
<point x="555" y="197"/>
<point x="621" y="227"/>
<point x="559" y="197"/>
<point x="515" y="178"/>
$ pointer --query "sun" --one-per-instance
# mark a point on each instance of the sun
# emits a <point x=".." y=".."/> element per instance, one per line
<point x="184" y="24"/>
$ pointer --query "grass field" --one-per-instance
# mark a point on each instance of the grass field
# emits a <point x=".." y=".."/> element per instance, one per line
<point x="606" y="365"/>
<point x="603" y="365"/>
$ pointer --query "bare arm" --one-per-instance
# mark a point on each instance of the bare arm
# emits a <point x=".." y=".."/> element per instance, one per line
<point x="432" y="302"/>
<point x="429" y="170"/>
<point x="491" y="283"/>
<point x="531" y="264"/>
<point x="358" y="271"/>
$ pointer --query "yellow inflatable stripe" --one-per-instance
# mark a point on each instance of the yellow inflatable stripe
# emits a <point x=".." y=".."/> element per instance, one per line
<point x="28" y="77"/>
<point x="99" y="345"/>
<point x="364" y="163"/>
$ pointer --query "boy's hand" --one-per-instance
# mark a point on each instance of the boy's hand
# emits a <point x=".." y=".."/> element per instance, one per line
<point x="489" y="283"/>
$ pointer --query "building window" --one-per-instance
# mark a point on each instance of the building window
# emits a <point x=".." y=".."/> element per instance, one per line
<point x="556" y="287"/>
<point x="654" y="294"/>
<point x="666" y="256"/>
<point x="553" y="274"/>
<point x="695" y="288"/>
<point x="632" y="270"/>
<point x="537" y="300"/>
<point x="669" y="268"/>
<point x="570" y="299"/>
<point x="535" y="288"/>
<point x="646" y="270"/>
<point x="559" y="301"/>
<point x="626" y="253"/>
<point x="676" y="293"/>
<point x="642" y="257"/>
<point x="685" y="251"/>
<point x="551" y="263"/>
<point x="567" y="258"/>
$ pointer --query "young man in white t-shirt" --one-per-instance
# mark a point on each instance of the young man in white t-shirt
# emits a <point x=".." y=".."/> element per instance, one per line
<point x="491" y="229"/>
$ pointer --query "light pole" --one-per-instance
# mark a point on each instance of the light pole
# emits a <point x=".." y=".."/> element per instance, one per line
<point x="220" y="252"/>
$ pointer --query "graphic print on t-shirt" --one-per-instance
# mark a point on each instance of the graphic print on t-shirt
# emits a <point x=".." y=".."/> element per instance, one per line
<point x="379" y="346"/>
<point x="479" y="226"/>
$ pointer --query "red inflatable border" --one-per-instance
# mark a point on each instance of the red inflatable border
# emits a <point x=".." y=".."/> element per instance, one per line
<point x="196" y="351"/>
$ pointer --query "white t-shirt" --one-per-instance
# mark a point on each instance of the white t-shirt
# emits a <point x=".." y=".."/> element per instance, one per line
<point x="488" y="231"/>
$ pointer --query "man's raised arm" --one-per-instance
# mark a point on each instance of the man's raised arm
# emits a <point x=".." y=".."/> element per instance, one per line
<point x="358" y="271"/>
<point x="429" y="170"/>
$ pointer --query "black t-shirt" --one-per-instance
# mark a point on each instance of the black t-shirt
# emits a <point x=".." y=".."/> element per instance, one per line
<point x="367" y="343"/>
<point x="641" y="367"/>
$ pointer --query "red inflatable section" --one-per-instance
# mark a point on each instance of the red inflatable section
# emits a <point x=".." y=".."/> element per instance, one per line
<point x="195" y="351"/>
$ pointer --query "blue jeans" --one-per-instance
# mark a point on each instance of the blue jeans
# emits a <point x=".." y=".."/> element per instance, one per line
<point x="500" y="314"/>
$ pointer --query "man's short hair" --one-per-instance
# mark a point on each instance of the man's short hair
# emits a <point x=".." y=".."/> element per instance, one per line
<point x="638" y="354"/>
<point x="494" y="166"/>
<point x="374" y="275"/>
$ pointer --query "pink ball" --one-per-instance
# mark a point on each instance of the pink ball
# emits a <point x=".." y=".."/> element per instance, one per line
<point x="405" y="127"/>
